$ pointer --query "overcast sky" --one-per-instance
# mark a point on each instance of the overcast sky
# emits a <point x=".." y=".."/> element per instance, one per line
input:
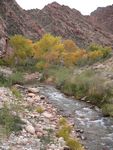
<point x="84" y="6"/>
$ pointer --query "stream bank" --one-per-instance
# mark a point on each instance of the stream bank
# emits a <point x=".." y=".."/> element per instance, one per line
<point x="96" y="130"/>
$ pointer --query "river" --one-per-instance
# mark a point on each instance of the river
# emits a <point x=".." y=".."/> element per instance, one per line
<point x="96" y="130"/>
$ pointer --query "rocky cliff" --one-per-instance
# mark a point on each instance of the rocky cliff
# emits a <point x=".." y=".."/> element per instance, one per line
<point x="70" y="23"/>
<point x="103" y="17"/>
<point x="57" y="19"/>
<point x="3" y="38"/>
<point x="17" y="20"/>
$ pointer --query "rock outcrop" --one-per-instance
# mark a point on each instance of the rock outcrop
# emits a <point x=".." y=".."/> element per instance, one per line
<point x="70" y="23"/>
<point x="103" y="17"/>
<point x="18" y="21"/>
<point x="3" y="38"/>
<point x="57" y="19"/>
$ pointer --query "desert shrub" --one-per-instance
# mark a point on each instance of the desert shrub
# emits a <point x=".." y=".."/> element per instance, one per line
<point x="16" y="92"/>
<point x="28" y="66"/>
<point x="39" y="109"/>
<point x="94" y="56"/>
<point x="9" y="121"/>
<point x="2" y="62"/>
<point x="16" y="77"/>
<point x="107" y="109"/>
<point x="101" y="50"/>
<point x="62" y="121"/>
<point x="78" y="85"/>
<point x="65" y="131"/>
<point x="88" y="84"/>
<point x="59" y="73"/>
<point x="41" y="65"/>
<point x="74" y="144"/>
<point x="98" y="92"/>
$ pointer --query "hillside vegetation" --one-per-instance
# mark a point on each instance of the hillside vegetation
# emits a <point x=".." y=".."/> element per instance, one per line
<point x="61" y="61"/>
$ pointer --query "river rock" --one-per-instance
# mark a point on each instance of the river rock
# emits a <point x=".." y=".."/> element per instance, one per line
<point x="62" y="142"/>
<point x="80" y="130"/>
<point x="39" y="134"/>
<point x="66" y="148"/>
<point x="30" y="129"/>
<point x="42" y="97"/>
<point x="33" y="90"/>
<point x="22" y="140"/>
<point x="83" y="137"/>
<point x="47" y="115"/>
<point x="37" y="98"/>
<point x="31" y="95"/>
<point x="30" y="100"/>
<point x="53" y="147"/>
<point x="83" y="98"/>
<point x="97" y="109"/>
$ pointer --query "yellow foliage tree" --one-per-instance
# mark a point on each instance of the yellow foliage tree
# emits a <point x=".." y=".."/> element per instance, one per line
<point x="49" y="48"/>
<point x="95" y="54"/>
<point x="70" y="46"/>
<point x="22" y="48"/>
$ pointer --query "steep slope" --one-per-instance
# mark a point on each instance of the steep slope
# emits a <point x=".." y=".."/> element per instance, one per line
<point x="70" y="23"/>
<point x="3" y="38"/>
<point x="103" y="17"/>
<point x="18" y="21"/>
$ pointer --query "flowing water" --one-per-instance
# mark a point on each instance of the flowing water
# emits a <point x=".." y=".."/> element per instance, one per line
<point x="97" y="130"/>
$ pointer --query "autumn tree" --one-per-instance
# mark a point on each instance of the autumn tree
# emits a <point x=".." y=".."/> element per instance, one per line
<point x="49" y="48"/>
<point x="22" y="48"/>
<point x="70" y="46"/>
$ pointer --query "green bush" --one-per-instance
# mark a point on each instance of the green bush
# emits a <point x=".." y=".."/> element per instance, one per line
<point x="8" y="121"/>
<point x="60" y="74"/>
<point x="15" y="78"/>
<point x="65" y="131"/>
<point x="107" y="109"/>
<point x="41" y="65"/>
<point x="28" y="66"/>
<point x="62" y="121"/>
<point x="74" y="144"/>
<point x="105" y="50"/>
<point x="88" y="84"/>
<point x="39" y="109"/>
<point x="78" y="85"/>
<point x="98" y="92"/>
<point x="16" y="92"/>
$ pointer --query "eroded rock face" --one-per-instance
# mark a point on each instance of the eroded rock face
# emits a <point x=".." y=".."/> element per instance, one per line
<point x="103" y="17"/>
<point x="3" y="38"/>
<point x="18" y="21"/>
<point x="70" y="24"/>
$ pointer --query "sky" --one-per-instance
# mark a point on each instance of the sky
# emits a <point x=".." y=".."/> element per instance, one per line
<point x="84" y="6"/>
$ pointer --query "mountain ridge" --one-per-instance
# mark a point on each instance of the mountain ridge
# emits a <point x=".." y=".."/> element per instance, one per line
<point x="103" y="17"/>
<point x="60" y="20"/>
<point x="18" y="21"/>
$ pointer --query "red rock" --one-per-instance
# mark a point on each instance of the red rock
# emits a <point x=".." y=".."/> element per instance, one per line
<point x="103" y="18"/>
<point x="63" y="21"/>
<point x="18" y="21"/>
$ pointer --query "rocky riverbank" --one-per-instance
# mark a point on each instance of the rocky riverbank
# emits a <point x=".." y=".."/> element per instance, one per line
<point x="41" y="121"/>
